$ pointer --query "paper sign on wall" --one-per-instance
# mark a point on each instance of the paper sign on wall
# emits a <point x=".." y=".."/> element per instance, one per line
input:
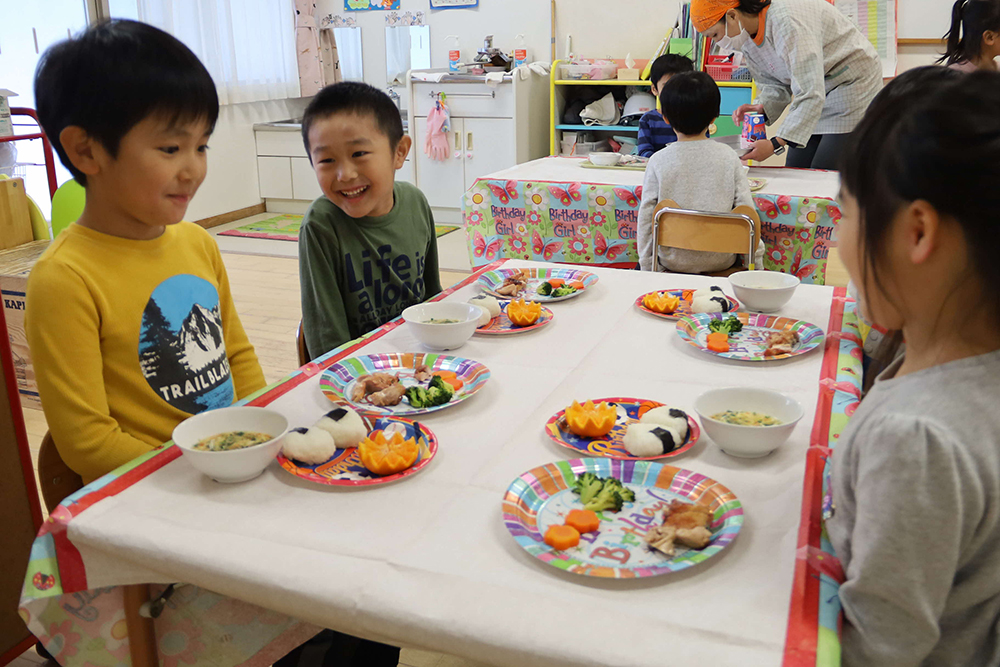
<point x="453" y="4"/>
<point x="368" y="5"/>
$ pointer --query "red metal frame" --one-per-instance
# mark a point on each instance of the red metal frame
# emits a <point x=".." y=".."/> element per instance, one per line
<point x="50" y="165"/>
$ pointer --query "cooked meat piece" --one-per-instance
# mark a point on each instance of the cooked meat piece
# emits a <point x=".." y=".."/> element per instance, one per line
<point x="391" y="395"/>
<point x="662" y="538"/>
<point x="693" y="538"/>
<point x="510" y="290"/>
<point x="422" y="373"/>
<point x="360" y="389"/>
<point x="370" y="384"/>
<point x="781" y="342"/>
<point x="682" y="515"/>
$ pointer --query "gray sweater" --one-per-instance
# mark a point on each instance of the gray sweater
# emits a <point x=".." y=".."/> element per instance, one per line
<point x="916" y="524"/>
<point x="702" y="175"/>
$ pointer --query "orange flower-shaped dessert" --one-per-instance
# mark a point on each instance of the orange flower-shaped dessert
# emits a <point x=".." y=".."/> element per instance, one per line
<point x="524" y="314"/>
<point x="589" y="420"/>
<point x="661" y="302"/>
<point x="387" y="456"/>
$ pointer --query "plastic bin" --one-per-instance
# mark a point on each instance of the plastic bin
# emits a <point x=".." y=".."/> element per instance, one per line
<point x="589" y="71"/>
<point x="584" y="148"/>
<point x="720" y="68"/>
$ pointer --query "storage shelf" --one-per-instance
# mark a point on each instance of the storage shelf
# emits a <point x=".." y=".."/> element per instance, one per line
<point x="598" y="82"/>
<point x="606" y="128"/>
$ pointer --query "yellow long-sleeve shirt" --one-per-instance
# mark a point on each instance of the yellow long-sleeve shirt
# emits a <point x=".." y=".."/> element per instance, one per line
<point x="128" y="338"/>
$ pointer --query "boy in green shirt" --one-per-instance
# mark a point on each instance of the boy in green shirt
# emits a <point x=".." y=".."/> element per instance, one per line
<point x="367" y="247"/>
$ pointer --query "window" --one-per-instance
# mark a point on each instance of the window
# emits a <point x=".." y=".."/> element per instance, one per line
<point x="248" y="46"/>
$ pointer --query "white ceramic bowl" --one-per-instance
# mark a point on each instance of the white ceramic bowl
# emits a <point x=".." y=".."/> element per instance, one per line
<point x="748" y="441"/>
<point x="763" y="291"/>
<point x="236" y="465"/>
<point x="443" y="336"/>
<point x="605" y="159"/>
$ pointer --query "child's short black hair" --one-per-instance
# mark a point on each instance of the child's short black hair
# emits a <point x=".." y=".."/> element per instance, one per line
<point x="669" y="64"/>
<point x="690" y="101"/>
<point x="359" y="98"/>
<point x="114" y="75"/>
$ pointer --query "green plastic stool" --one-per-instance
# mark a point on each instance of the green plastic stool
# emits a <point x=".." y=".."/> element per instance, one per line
<point x="67" y="205"/>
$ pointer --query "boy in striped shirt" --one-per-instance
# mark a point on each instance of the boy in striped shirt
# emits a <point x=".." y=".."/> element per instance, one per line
<point x="654" y="131"/>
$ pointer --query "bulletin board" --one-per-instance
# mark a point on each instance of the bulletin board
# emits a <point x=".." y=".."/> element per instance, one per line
<point x="877" y="20"/>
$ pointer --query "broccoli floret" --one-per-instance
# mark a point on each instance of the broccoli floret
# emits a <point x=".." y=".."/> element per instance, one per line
<point x="439" y="392"/>
<point x="730" y="325"/>
<point x="608" y="498"/>
<point x="418" y="398"/>
<point x="587" y="486"/>
<point x="563" y="291"/>
<point x="544" y="289"/>
<point x="626" y="494"/>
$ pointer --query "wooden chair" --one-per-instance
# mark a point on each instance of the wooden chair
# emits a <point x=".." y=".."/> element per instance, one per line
<point x="737" y="232"/>
<point x="300" y="344"/>
<point x="58" y="480"/>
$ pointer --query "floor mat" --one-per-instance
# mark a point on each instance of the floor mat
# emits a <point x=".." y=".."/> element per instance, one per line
<point x="285" y="227"/>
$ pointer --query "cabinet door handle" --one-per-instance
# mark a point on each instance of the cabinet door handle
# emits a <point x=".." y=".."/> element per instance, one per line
<point x="468" y="146"/>
<point x="458" y="145"/>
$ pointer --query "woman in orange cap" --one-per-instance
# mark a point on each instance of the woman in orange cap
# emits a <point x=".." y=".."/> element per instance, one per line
<point x="805" y="56"/>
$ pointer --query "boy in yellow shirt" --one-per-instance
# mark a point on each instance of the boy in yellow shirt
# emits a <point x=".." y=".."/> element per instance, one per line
<point x="129" y="316"/>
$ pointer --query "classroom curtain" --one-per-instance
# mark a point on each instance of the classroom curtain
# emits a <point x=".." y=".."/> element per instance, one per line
<point x="248" y="46"/>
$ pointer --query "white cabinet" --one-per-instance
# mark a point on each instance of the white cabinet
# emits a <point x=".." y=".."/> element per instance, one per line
<point x="275" y="177"/>
<point x="478" y="146"/>
<point x="491" y="129"/>
<point x="304" y="183"/>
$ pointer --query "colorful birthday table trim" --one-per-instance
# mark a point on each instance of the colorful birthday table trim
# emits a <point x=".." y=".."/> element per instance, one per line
<point x="815" y="614"/>
<point x="595" y="224"/>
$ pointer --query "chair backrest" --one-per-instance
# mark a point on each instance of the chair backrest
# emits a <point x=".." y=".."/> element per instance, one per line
<point x="57" y="479"/>
<point x="737" y="232"/>
<point x="67" y="205"/>
<point x="300" y="344"/>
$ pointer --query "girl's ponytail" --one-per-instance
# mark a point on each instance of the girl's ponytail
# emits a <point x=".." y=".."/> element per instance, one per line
<point x="955" y="40"/>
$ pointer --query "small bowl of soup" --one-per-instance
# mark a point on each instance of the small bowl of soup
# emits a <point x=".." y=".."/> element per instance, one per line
<point x="233" y="444"/>
<point x="763" y="291"/>
<point x="442" y="325"/>
<point x="747" y="422"/>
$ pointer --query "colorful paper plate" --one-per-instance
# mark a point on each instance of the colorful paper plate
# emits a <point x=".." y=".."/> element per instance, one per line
<point x="683" y="309"/>
<point x="543" y="496"/>
<point x="757" y="184"/>
<point x="749" y="344"/>
<point x="611" y="445"/>
<point x="490" y="281"/>
<point x="345" y="468"/>
<point x="337" y="382"/>
<point x="502" y="326"/>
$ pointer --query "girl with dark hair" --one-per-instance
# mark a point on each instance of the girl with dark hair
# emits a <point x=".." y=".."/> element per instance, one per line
<point x="974" y="39"/>
<point x="805" y="56"/>
<point x="916" y="474"/>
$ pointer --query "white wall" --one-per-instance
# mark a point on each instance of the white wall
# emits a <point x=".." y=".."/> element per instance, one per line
<point x="917" y="56"/>
<point x="231" y="183"/>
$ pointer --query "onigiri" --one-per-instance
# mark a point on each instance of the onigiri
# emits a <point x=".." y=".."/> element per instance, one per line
<point x="484" y="316"/>
<point x="668" y="417"/>
<point x="710" y="304"/>
<point x="714" y="290"/>
<point x="650" y="439"/>
<point x="488" y="302"/>
<point x="345" y="425"/>
<point x="310" y="446"/>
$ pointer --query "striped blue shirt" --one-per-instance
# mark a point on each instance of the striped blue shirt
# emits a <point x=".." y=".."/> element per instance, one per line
<point x="654" y="133"/>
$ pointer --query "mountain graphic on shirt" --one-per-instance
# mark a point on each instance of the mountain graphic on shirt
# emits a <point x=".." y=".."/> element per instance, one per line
<point x="182" y="351"/>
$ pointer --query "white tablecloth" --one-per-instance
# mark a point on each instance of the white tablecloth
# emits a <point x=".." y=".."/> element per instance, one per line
<point x="780" y="180"/>
<point x="427" y="561"/>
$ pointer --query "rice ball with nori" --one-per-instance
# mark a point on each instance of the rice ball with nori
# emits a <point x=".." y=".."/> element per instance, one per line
<point x="710" y="304"/>
<point x="714" y="290"/>
<point x="345" y="425"/>
<point x="646" y="440"/>
<point x="310" y="446"/>
<point x="669" y="418"/>
<point x="487" y="302"/>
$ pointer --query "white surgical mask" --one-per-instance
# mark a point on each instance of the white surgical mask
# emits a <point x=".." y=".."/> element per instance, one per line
<point x="734" y="43"/>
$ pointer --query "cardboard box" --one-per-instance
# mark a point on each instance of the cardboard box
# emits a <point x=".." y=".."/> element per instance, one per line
<point x="15" y="265"/>
<point x="15" y="216"/>
<point x="6" y="127"/>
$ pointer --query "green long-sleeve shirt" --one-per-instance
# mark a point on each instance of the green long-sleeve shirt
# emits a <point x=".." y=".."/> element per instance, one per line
<point x="357" y="274"/>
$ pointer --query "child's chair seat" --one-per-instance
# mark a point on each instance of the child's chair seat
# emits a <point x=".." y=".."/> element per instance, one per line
<point x="57" y="479"/>
<point x="737" y="232"/>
